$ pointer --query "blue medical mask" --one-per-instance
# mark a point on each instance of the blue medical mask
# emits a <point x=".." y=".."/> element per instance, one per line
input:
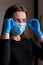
<point x="18" y="28"/>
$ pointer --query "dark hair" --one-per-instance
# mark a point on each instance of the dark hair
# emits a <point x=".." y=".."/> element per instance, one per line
<point x="13" y="9"/>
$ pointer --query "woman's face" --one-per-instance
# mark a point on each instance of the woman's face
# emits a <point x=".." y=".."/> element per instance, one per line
<point x="19" y="16"/>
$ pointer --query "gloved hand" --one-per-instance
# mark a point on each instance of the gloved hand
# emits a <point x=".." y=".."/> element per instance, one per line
<point x="35" y="26"/>
<point x="7" y="24"/>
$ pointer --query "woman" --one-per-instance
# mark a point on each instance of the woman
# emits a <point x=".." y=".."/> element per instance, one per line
<point x="17" y="50"/>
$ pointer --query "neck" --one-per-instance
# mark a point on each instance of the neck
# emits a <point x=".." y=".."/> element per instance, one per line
<point x="16" y="37"/>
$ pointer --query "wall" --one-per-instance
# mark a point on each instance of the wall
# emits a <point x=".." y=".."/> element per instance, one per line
<point x="4" y="4"/>
<point x="40" y="16"/>
<point x="40" y="12"/>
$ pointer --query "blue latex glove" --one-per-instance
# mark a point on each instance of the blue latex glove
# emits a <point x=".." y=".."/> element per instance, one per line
<point x="7" y="24"/>
<point x="35" y="26"/>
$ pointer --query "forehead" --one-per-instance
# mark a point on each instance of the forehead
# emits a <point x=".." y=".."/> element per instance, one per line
<point x="19" y="14"/>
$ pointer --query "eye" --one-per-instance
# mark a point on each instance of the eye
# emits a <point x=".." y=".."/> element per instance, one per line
<point x="24" y="20"/>
<point x="20" y="20"/>
<point x="16" y="20"/>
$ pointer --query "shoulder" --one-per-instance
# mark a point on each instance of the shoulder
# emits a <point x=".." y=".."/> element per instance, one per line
<point x="31" y="41"/>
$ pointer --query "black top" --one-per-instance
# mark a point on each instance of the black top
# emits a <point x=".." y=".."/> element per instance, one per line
<point x="19" y="52"/>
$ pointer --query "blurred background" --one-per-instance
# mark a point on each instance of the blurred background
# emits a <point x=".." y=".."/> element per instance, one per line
<point x="35" y="9"/>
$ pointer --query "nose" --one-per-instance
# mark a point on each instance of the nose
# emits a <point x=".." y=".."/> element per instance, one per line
<point x="21" y="20"/>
